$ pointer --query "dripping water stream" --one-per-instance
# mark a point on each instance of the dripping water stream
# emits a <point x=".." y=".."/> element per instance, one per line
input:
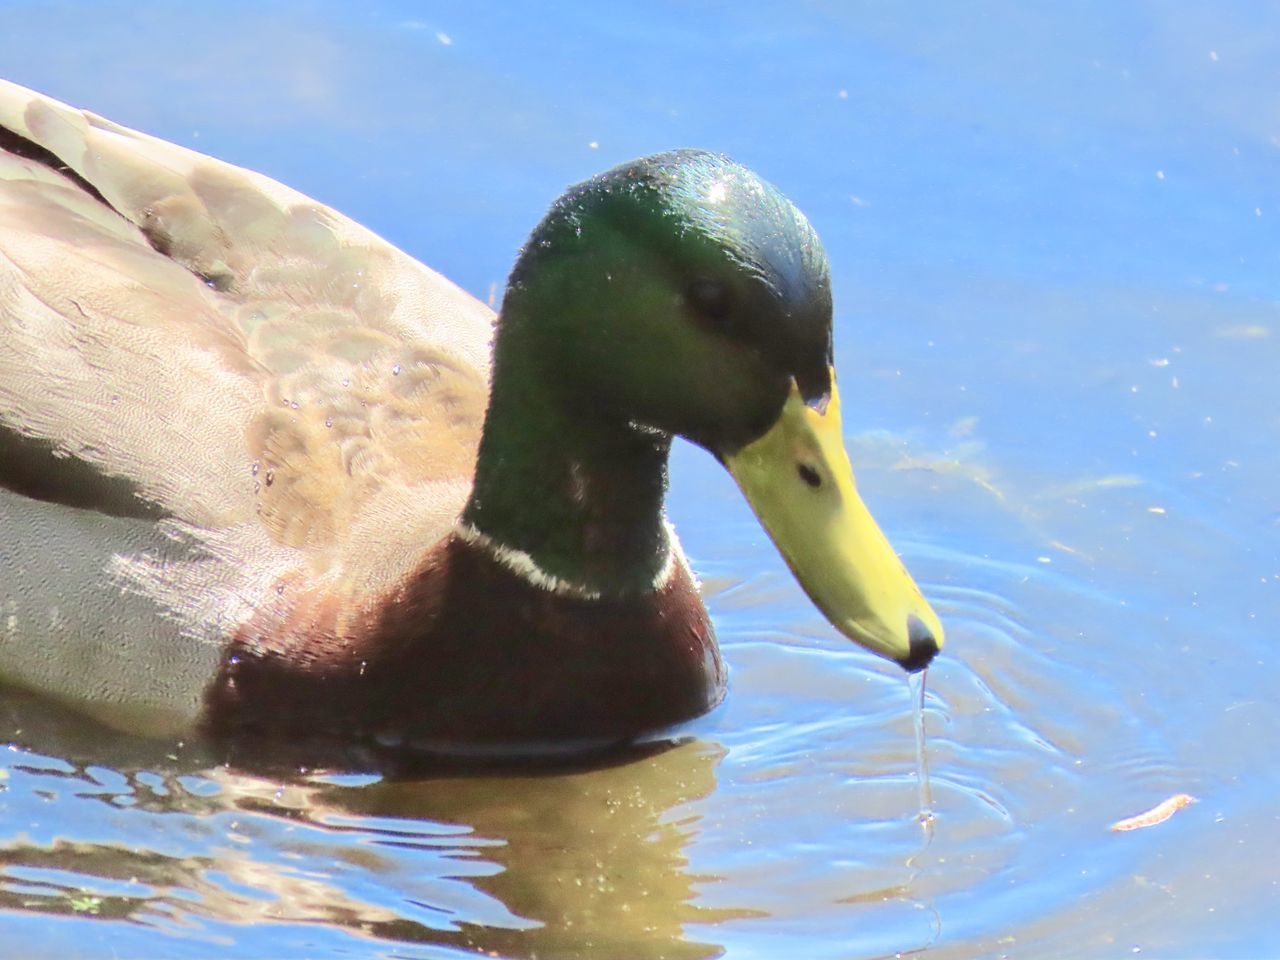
<point x="924" y="794"/>
<point x="924" y="801"/>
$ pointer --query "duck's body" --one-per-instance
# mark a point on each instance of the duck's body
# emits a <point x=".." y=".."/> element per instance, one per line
<point x="183" y="432"/>
<point x="238" y="464"/>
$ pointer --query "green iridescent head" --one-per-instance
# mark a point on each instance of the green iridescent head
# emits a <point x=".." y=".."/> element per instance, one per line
<point x="679" y="292"/>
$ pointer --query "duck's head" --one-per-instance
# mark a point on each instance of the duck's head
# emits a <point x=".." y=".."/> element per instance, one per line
<point x="680" y="293"/>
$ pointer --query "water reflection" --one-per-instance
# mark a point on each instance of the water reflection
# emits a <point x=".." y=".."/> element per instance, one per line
<point x="596" y="857"/>
<point x="564" y="864"/>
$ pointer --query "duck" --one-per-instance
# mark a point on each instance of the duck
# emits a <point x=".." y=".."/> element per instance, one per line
<point x="263" y="476"/>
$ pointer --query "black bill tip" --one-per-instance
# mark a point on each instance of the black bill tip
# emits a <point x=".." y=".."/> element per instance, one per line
<point x="923" y="646"/>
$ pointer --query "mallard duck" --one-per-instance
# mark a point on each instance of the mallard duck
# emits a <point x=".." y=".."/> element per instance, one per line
<point x="254" y="481"/>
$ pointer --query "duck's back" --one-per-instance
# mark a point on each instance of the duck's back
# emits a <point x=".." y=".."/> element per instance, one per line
<point x="208" y="383"/>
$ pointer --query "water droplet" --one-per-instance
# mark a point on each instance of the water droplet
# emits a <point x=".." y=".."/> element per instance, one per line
<point x="279" y="589"/>
<point x="395" y="371"/>
<point x="254" y="469"/>
<point x="294" y="405"/>
<point x="328" y="421"/>
<point x="271" y="476"/>
<point x="346" y="381"/>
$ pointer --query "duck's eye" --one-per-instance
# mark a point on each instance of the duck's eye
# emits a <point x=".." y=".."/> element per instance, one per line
<point x="710" y="298"/>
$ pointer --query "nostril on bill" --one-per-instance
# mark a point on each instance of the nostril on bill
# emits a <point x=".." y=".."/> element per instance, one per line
<point x="923" y="646"/>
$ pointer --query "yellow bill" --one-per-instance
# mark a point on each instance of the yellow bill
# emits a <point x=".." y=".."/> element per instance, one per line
<point x="798" y="481"/>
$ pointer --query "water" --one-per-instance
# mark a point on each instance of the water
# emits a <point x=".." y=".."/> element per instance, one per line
<point x="923" y="790"/>
<point x="1054" y="244"/>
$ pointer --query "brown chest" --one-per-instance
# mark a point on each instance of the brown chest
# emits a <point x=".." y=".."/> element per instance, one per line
<point x="467" y="653"/>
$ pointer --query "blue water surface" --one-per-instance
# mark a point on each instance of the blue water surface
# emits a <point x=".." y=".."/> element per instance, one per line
<point x="1055" y="237"/>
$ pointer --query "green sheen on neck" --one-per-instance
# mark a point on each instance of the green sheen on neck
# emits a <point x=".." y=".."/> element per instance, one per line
<point x="581" y="493"/>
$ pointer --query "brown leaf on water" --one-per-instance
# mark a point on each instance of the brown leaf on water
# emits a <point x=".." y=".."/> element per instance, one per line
<point x="1157" y="814"/>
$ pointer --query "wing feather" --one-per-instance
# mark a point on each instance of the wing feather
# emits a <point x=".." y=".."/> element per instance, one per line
<point x="227" y="345"/>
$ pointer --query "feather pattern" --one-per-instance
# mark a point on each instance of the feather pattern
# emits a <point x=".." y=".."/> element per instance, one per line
<point x="226" y="379"/>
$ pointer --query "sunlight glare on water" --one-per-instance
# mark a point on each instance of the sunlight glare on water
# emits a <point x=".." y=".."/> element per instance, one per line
<point x="1053" y="238"/>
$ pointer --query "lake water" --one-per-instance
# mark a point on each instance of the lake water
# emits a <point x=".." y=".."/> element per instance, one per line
<point x="1055" y="236"/>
